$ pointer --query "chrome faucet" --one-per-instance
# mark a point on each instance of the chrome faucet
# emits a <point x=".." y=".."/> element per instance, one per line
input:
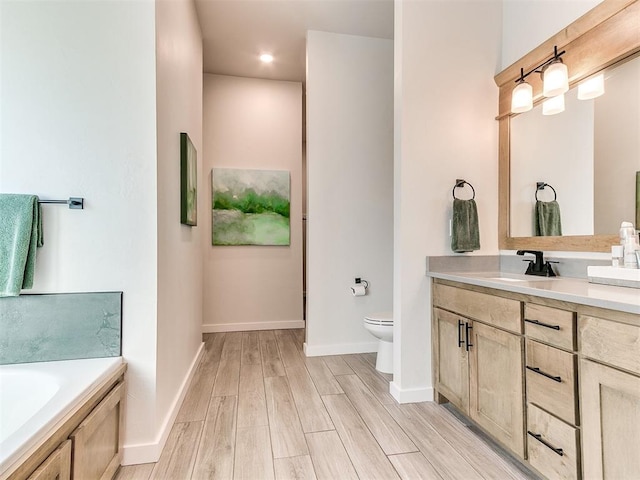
<point x="538" y="266"/>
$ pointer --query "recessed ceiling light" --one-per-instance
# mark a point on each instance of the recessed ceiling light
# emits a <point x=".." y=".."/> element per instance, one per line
<point x="266" y="58"/>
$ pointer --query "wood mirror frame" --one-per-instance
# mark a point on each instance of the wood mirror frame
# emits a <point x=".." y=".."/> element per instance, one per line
<point x="603" y="36"/>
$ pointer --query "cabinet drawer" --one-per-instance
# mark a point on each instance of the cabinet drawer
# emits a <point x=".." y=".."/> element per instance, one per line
<point x="617" y="344"/>
<point x="550" y="325"/>
<point x="498" y="311"/>
<point x="552" y="445"/>
<point x="551" y="380"/>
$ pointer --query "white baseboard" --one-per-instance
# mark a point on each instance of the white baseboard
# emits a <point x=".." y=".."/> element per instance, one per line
<point x="150" y="452"/>
<point x="340" y="349"/>
<point x="411" y="395"/>
<point x="244" y="327"/>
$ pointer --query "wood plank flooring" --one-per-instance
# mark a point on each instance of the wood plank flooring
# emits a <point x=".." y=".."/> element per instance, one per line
<point x="257" y="409"/>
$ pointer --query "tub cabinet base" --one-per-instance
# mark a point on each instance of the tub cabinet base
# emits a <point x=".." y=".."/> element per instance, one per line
<point x="91" y="435"/>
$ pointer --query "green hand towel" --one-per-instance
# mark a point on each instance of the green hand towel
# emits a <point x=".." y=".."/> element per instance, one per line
<point x="465" y="235"/>
<point x="548" y="219"/>
<point x="20" y="234"/>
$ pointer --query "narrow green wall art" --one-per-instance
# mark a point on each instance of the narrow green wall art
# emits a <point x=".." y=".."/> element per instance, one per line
<point x="250" y="207"/>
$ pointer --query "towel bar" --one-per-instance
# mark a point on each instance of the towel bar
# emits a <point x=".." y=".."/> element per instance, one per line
<point x="73" y="202"/>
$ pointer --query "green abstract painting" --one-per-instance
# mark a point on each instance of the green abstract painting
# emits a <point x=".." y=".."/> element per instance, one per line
<point x="250" y="207"/>
<point x="188" y="182"/>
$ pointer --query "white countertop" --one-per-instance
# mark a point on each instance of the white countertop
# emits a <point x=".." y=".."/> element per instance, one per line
<point x="574" y="290"/>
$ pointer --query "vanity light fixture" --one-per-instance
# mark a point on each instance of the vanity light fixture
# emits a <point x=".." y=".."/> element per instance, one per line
<point x="555" y="78"/>
<point x="592" y="87"/>
<point x="522" y="96"/>
<point x="266" y="58"/>
<point x="553" y="105"/>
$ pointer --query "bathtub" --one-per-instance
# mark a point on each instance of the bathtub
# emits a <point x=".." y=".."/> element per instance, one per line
<point x="36" y="397"/>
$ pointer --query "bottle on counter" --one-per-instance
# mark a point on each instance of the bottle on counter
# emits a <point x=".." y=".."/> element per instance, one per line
<point x="617" y="256"/>
<point x="629" y="242"/>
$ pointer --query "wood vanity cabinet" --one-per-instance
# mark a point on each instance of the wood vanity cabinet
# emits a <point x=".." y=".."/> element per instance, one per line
<point x="576" y="368"/>
<point x="478" y="362"/>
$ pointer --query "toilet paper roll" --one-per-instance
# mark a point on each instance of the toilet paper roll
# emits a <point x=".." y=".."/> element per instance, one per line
<point x="358" y="290"/>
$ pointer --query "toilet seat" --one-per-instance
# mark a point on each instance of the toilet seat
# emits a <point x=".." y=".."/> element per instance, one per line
<point x="381" y="318"/>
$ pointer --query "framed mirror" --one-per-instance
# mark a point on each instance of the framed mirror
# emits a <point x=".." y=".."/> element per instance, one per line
<point x="587" y="155"/>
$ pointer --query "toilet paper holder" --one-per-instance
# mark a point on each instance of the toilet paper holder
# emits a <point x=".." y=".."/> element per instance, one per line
<point x="360" y="288"/>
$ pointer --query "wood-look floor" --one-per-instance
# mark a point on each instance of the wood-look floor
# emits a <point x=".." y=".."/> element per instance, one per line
<point x="257" y="409"/>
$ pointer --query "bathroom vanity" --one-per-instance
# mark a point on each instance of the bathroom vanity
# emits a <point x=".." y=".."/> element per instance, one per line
<point x="549" y="368"/>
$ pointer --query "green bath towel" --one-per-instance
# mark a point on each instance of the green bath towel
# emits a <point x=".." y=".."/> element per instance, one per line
<point x="20" y="234"/>
<point x="547" y="219"/>
<point x="465" y="234"/>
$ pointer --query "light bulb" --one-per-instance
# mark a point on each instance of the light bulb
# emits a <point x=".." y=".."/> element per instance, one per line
<point x="591" y="88"/>
<point x="556" y="79"/>
<point x="522" y="98"/>
<point x="553" y="105"/>
<point x="266" y="58"/>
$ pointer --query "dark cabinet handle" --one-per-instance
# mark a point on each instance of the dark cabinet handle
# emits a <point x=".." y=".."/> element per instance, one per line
<point x="540" y="324"/>
<point x="544" y="374"/>
<point x="460" y="340"/>
<point x="468" y="343"/>
<point x="538" y="437"/>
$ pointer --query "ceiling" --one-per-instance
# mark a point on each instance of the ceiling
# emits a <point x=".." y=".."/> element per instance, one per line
<point x="236" y="32"/>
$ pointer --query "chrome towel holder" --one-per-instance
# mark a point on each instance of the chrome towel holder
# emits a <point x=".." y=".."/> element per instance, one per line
<point x="73" y="202"/>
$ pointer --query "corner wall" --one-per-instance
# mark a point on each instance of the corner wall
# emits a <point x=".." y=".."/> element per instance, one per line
<point x="78" y="119"/>
<point x="349" y="189"/>
<point x="254" y="124"/>
<point x="446" y="54"/>
<point x="180" y="274"/>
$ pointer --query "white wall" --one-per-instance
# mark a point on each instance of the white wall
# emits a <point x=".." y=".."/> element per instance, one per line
<point x="543" y="149"/>
<point x="528" y="23"/>
<point x="350" y="187"/>
<point x="446" y="54"/>
<point x="180" y="274"/>
<point x="254" y="124"/>
<point x="78" y="119"/>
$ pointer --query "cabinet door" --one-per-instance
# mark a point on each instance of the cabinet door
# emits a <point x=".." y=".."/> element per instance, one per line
<point x="610" y="403"/>
<point x="452" y="366"/>
<point x="96" y="442"/>
<point x="496" y="396"/>
<point x="57" y="466"/>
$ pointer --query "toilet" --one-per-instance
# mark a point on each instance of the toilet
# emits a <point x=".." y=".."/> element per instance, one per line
<point x="380" y="325"/>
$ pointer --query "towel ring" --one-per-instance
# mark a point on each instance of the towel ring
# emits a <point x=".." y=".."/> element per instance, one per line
<point x="541" y="185"/>
<point x="459" y="184"/>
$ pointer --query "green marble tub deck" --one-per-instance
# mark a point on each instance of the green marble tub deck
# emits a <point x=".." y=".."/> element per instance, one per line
<point x="65" y="326"/>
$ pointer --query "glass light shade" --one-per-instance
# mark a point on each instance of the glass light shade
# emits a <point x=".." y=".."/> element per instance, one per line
<point x="591" y="88"/>
<point x="553" y="105"/>
<point x="522" y="98"/>
<point x="556" y="79"/>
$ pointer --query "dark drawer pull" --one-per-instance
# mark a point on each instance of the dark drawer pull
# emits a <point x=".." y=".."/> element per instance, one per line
<point x="460" y="340"/>
<point x="468" y="343"/>
<point x="538" y="437"/>
<point x="544" y="374"/>
<point x="546" y="325"/>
